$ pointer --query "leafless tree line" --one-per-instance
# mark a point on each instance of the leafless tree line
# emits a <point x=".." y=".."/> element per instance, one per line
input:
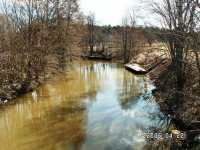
<point x="104" y="34"/>
<point x="33" y="31"/>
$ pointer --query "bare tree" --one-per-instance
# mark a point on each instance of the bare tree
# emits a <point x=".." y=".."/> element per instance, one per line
<point x="128" y="27"/>
<point x="180" y="19"/>
<point x="91" y="30"/>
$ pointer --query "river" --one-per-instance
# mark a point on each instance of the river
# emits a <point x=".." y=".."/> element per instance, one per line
<point x="93" y="105"/>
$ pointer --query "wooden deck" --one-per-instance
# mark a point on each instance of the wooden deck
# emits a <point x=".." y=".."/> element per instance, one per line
<point x="136" y="69"/>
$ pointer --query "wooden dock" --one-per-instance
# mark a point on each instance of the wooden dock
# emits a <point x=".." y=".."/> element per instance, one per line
<point x="97" y="57"/>
<point x="136" y="69"/>
<point x="139" y="70"/>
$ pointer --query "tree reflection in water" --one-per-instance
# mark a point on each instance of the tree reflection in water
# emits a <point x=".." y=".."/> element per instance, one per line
<point x="94" y="105"/>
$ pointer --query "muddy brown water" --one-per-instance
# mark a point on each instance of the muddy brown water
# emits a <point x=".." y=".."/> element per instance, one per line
<point x="94" y="105"/>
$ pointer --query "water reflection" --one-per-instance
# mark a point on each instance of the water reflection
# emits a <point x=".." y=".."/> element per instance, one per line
<point x="94" y="105"/>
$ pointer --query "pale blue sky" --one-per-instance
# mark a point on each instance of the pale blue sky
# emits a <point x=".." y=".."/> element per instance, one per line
<point x="112" y="11"/>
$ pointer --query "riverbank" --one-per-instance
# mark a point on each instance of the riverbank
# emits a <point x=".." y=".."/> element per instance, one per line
<point x="182" y="105"/>
<point x="187" y="108"/>
<point x="16" y="80"/>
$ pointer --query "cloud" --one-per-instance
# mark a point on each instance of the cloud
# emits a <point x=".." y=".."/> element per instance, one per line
<point x="107" y="11"/>
<point x="112" y="11"/>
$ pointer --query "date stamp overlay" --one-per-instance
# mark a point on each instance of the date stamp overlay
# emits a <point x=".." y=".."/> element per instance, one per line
<point x="173" y="135"/>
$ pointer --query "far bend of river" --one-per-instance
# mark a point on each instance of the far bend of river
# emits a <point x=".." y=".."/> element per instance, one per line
<point x="93" y="106"/>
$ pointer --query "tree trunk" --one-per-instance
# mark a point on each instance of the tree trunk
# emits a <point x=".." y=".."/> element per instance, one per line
<point x="198" y="64"/>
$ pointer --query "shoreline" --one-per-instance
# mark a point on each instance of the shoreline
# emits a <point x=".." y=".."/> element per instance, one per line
<point x="21" y="88"/>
